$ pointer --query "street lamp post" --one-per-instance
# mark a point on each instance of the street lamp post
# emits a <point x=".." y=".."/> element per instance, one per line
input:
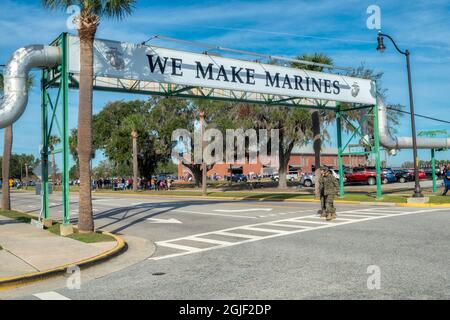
<point x="204" y="168"/>
<point x="381" y="47"/>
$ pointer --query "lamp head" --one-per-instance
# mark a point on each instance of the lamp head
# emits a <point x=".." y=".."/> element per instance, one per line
<point x="381" y="47"/>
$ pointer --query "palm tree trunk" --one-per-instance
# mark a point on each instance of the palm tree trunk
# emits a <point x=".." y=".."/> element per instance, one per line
<point x="282" y="170"/>
<point x="7" y="146"/>
<point x="26" y="176"/>
<point x="134" y="135"/>
<point x="317" y="142"/>
<point x="87" y="34"/>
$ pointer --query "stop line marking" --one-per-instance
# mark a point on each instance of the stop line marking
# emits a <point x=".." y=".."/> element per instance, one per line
<point x="237" y="232"/>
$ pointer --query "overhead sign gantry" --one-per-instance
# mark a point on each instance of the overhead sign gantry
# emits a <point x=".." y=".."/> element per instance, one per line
<point x="151" y="70"/>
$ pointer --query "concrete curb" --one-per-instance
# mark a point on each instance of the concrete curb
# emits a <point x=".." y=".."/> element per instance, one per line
<point x="12" y="282"/>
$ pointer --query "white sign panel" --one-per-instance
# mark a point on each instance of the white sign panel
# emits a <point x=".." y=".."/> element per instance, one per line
<point x="147" y="63"/>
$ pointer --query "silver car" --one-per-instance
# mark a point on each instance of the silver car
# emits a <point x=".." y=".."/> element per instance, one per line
<point x="308" y="179"/>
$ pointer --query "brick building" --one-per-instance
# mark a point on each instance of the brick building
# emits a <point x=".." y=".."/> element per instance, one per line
<point x="302" y="160"/>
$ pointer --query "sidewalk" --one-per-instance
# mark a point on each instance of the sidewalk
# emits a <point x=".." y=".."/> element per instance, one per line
<point x="29" y="250"/>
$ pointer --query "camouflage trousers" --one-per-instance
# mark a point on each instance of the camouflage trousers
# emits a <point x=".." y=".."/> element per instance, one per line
<point x="327" y="203"/>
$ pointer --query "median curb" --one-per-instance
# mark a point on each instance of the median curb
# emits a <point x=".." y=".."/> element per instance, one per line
<point x="368" y="203"/>
<point x="12" y="282"/>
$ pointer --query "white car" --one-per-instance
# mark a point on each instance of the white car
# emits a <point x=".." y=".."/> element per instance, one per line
<point x="289" y="177"/>
<point x="308" y="180"/>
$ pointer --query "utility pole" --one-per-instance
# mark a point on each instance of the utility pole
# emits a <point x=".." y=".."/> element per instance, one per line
<point x="204" y="168"/>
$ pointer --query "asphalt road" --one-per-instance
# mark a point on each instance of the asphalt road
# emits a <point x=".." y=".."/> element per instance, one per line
<point x="266" y="250"/>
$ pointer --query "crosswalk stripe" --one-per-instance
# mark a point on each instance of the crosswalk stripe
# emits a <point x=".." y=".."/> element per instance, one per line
<point x="353" y="215"/>
<point x="238" y="235"/>
<point x="287" y="225"/>
<point x="177" y="246"/>
<point x="262" y="226"/>
<point x="51" y="295"/>
<point x="369" y="213"/>
<point x="213" y="241"/>
<point x="335" y="219"/>
<point x="307" y="221"/>
<point x="263" y="229"/>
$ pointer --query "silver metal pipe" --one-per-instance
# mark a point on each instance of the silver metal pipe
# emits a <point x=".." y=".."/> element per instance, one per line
<point x="15" y="78"/>
<point x="397" y="143"/>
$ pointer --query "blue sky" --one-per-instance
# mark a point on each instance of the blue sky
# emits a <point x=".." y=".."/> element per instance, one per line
<point x="288" y="28"/>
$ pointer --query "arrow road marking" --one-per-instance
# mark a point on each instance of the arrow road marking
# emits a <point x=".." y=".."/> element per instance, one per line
<point x="154" y="220"/>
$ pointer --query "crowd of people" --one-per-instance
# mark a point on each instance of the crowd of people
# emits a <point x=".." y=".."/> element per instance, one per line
<point x="155" y="183"/>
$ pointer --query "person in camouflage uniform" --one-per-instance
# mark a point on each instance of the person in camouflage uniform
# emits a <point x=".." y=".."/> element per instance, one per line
<point x="329" y="187"/>
<point x="322" y="211"/>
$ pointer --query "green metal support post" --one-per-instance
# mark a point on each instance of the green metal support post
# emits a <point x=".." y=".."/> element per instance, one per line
<point x="377" y="152"/>
<point x="65" y="130"/>
<point x="339" y="143"/>
<point x="433" y="170"/>
<point x="44" y="150"/>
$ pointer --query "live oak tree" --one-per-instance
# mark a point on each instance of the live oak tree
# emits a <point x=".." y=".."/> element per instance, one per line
<point x="20" y="165"/>
<point x="87" y="22"/>
<point x="150" y="122"/>
<point x="217" y="116"/>
<point x="294" y="125"/>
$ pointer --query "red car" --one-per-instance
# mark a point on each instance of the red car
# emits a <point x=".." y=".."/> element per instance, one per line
<point x="422" y="174"/>
<point x="362" y="175"/>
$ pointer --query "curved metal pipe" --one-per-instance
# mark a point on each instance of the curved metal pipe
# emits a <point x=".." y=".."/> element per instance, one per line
<point x="396" y="143"/>
<point x="15" y="78"/>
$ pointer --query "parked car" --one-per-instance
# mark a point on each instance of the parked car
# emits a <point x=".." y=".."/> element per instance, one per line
<point x="403" y="176"/>
<point x="422" y="174"/>
<point x="429" y="172"/>
<point x="237" y="178"/>
<point x="363" y="175"/>
<point x="389" y="175"/>
<point x="308" y="179"/>
<point x="289" y="176"/>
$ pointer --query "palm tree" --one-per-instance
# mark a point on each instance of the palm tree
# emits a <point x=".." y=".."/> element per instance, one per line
<point x="315" y="116"/>
<point x="6" y="202"/>
<point x="133" y="124"/>
<point x="87" y="23"/>
<point x="52" y="142"/>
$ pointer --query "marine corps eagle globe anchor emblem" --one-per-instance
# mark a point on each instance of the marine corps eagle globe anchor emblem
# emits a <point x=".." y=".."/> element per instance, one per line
<point x="355" y="89"/>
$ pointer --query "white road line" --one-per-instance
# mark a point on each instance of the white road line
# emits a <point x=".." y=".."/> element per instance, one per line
<point x="237" y="235"/>
<point x="213" y="241"/>
<point x="263" y="229"/>
<point x="288" y="225"/>
<point x="351" y="215"/>
<point x="51" y="295"/>
<point x="307" y="221"/>
<point x="366" y="213"/>
<point x="379" y="211"/>
<point x="178" y="246"/>
<point x="334" y="219"/>
<point x="251" y="238"/>
<point x="213" y="214"/>
<point x="243" y="210"/>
